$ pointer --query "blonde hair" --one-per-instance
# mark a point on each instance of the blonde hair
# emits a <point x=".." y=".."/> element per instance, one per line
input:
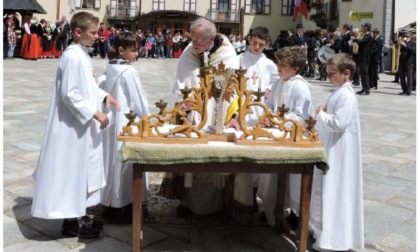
<point x="83" y="20"/>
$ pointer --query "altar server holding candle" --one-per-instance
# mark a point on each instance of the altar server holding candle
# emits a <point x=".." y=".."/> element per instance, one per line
<point x="336" y="212"/>
<point x="293" y="91"/>
<point x="70" y="170"/>
<point x="123" y="82"/>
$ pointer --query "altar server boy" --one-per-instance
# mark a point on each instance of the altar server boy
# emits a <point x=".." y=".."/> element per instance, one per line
<point x="122" y="82"/>
<point x="261" y="71"/>
<point x="293" y="91"/>
<point x="336" y="213"/>
<point x="70" y="168"/>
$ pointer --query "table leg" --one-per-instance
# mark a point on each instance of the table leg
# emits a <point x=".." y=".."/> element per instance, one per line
<point x="305" y="202"/>
<point x="137" y="204"/>
<point x="282" y="227"/>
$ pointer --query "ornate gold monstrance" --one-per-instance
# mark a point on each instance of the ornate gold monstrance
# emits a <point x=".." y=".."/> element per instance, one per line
<point x="223" y="85"/>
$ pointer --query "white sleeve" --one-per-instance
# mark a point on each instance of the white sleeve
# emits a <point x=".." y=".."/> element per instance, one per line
<point x="342" y="113"/>
<point x="71" y="84"/>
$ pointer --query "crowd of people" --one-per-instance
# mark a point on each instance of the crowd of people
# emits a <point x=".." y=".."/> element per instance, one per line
<point x="34" y="39"/>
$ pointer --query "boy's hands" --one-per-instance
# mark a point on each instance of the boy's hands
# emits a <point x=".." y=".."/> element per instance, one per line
<point x="102" y="118"/>
<point x="109" y="100"/>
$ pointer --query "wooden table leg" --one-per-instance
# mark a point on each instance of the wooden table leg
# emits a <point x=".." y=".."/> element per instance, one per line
<point x="137" y="204"/>
<point x="305" y="202"/>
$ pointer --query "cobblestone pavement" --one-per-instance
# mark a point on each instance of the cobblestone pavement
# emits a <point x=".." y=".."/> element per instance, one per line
<point x="389" y="158"/>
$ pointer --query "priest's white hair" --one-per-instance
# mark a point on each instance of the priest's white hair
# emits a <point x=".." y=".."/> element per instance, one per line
<point x="209" y="26"/>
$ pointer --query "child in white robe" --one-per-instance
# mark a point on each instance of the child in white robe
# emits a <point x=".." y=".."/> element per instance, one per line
<point x="336" y="212"/>
<point x="293" y="91"/>
<point x="123" y="82"/>
<point x="70" y="168"/>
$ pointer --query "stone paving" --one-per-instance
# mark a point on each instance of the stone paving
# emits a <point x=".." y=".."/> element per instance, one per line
<point x="389" y="159"/>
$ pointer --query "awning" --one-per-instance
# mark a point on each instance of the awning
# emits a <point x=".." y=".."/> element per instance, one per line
<point x="22" y="5"/>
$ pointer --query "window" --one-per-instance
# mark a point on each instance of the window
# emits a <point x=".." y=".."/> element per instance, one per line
<point x="88" y="4"/>
<point x="158" y="5"/>
<point x="223" y="5"/>
<point x="287" y="7"/>
<point x="190" y="5"/>
<point x="262" y="7"/>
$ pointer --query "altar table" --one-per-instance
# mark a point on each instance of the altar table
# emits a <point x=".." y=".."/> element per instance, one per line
<point x="227" y="158"/>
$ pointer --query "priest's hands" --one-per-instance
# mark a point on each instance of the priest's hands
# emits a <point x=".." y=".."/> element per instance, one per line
<point x="233" y="123"/>
<point x="109" y="100"/>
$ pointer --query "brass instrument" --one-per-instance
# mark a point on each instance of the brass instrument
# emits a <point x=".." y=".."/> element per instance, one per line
<point x="395" y="55"/>
<point x="355" y="46"/>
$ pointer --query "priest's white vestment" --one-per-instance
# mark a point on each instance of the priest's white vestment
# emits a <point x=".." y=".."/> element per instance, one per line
<point x="295" y="94"/>
<point x="336" y="214"/>
<point x="70" y="168"/>
<point x="123" y="83"/>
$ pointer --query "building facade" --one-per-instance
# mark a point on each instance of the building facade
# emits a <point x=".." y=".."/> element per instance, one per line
<point x="232" y="16"/>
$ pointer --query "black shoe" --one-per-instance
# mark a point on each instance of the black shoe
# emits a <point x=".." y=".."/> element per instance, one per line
<point x="365" y="93"/>
<point x="361" y="92"/>
<point x="375" y="87"/>
<point x="82" y="228"/>
<point x="407" y="94"/>
<point x="402" y="93"/>
<point x="293" y="221"/>
<point x="183" y="211"/>
<point x="414" y="89"/>
<point x="394" y="81"/>
<point x="255" y="206"/>
<point x="355" y="84"/>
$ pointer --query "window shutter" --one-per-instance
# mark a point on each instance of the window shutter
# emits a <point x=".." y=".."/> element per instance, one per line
<point x="97" y="4"/>
<point x="233" y="10"/>
<point x="133" y="7"/>
<point x="247" y="6"/>
<point x="186" y="5"/>
<point x="267" y="7"/>
<point x="77" y="3"/>
<point x="193" y="8"/>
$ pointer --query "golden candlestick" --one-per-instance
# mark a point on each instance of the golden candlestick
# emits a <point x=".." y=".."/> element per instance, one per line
<point x="131" y="116"/>
<point x="161" y="105"/>
<point x="258" y="94"/>
<point x="282" y="110"/>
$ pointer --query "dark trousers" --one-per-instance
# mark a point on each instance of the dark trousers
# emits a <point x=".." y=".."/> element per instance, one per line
<point x="102" y="49"/>
<point x="364" y="75"/>
<point x="373" y="74"/>
<point x="406" y="77"/>
<point x="62" y="43"/>
<point x="311" y="66"/>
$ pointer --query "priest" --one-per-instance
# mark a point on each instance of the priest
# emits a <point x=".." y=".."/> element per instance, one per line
<point x="203" y="192"/>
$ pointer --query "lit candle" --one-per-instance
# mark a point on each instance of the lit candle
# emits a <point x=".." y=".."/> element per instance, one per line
<point x="283" y="98"/>
<point x="206" y="59"/>
<point x="131" y="106"/>
<point x="313" y="111"/>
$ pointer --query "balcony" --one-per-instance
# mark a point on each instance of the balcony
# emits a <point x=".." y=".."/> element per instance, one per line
<point x="223" y="16"/>
<point x="325" y="14"/>
<point x="122" y="12"/>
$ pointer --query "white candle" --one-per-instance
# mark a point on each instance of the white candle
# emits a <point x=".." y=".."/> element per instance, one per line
<point x="283" y="98"/>
<point x="131" y="106"/>
<point x="241" y="62"/>
<point x="259" y="84"/>
<point x="206" y="58"/>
